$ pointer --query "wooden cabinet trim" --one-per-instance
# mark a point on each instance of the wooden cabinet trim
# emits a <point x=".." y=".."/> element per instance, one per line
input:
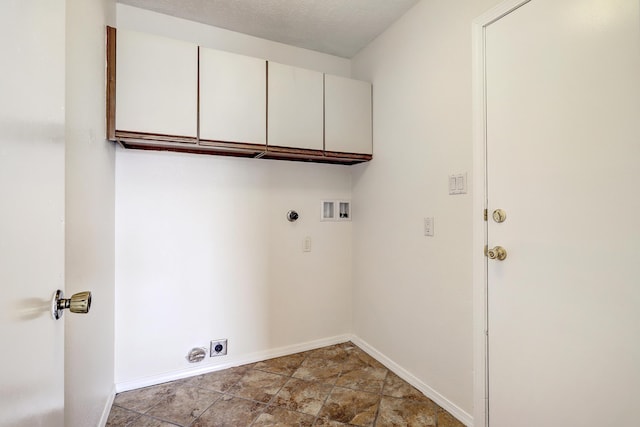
<point x="142" y="141"/>
<point x="111" y="83"/>
<point x="142" y="136"/>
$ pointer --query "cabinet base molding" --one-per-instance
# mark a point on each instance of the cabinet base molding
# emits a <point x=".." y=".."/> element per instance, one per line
<point x="144" y="141"/>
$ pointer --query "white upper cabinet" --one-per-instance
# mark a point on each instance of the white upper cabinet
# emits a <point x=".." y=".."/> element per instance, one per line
<point x="170" y="94"/>
<point x="156" y="85"/>
<point x="233" y="97"/>
<point x="347" y="115"/>
<point x="295" y="103"/>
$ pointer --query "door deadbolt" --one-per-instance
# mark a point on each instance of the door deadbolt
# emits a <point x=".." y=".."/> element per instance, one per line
<point x="499" y="215"/>
<point x="78" y="303"/>
<point x="498" y="253"/>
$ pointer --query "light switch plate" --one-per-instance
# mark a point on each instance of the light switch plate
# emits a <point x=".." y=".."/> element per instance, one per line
<point x="428" y="226"/>
<point x="458" y="184"/>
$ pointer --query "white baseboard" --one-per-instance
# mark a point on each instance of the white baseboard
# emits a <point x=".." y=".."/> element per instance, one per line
<point x="230" y="363"/>
<point x="432" y="394"/>
<point x="107" y="407"/>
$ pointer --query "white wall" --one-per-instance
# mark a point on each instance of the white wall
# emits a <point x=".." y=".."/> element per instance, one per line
<point x="204" y="251"/>
<point x="413" y="294"/>
<point x="203" y="248"/>
<point x="132" y="18"/>
<point x="90" y="195"/>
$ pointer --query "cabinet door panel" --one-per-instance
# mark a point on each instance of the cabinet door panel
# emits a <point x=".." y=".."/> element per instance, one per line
<point x="295" y="102"/>
<point x="156" y="85"/>
<point x="233" y="97"/>
<point x="347" y="115"/>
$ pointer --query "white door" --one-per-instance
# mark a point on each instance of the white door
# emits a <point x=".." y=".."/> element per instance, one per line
<point x="233" y="97"/>
<point x="156" y="85"/>
<point x="347" y="115"/>
<point x="31" y="211"/>
<point x="294" y="107"/>
<point x="563" y="162"/>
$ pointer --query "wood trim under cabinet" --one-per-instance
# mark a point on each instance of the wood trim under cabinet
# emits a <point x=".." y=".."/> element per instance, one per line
<point x="239" y="146"/>
<point x="111" y="83"/>
<point x="143" y="141"/>
<point x="358" y="158"/>
<point x="316" y="156"/>
<point x="184" y="148"/>
<point x="158" y="138"/>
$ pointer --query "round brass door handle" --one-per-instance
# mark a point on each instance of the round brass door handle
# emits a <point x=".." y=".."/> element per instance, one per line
<point x="78" y="303"/>
<point x="498" y="253"/>
<point x="499" y="215"/>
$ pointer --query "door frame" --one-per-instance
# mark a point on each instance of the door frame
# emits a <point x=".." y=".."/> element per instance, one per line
<point x="479" y="203"/>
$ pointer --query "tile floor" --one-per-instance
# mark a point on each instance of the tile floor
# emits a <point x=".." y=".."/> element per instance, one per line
<point x="339" y="385"/>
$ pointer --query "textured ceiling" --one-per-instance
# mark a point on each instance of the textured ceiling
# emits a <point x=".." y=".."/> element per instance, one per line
<point x="337" y="27"/>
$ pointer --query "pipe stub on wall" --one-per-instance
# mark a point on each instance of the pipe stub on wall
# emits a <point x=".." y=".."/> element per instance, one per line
<point x="292" y="216"/>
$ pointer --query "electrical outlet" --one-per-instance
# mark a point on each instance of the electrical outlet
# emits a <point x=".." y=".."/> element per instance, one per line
<point x="218" y="348"/>
<point x="428" y="226"/>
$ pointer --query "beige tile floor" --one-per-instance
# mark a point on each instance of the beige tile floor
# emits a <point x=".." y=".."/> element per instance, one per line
<point x="339" y="385"/>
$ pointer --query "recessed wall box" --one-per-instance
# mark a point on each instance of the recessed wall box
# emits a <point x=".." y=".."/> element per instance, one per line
<point x="327" y="210"/>
<point x="344" y="210"/>
<point x="335" y="210"/>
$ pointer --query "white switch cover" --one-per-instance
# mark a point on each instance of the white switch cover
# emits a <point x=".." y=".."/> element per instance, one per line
<point x="428" y="226"/>
<point x="458" y="184"/>
<point x="306" y="245"/>
<point x="452" y="184"/>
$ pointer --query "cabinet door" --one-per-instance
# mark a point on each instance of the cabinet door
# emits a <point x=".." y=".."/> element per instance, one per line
<point x="233" y="97"/>
<point x="347" y="115"/>
<point x="295" y="107"/>
<point x="156" y="85"/>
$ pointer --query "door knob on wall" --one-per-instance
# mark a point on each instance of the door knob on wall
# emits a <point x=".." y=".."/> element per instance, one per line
<point x="498" y="253"/>
<point x="78" y="303"/>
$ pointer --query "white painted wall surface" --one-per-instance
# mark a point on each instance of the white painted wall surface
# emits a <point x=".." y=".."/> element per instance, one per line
<point x="203" y="248"/>
<point x="133" y="18"/>
<point x="90" y="195"/>
<point x="32" y="212"/>
<point x="413" y="294"/>
<point x="204" y="251"/>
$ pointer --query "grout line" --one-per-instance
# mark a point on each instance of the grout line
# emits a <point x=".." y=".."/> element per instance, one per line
<point x="208" y="407"/>
<point x="127" y="409"/>
<point x="272" y="397"/>
<point x="163" y="420"/>
<point x="333" y="387"/>
<point x="145" y="414"/>
<point x="384" y="381"/>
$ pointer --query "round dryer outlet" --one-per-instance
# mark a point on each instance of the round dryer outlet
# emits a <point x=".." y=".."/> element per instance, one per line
<point x="218" y="348"/>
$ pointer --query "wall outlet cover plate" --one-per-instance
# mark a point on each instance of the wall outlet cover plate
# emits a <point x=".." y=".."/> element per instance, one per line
<point x="218" y="348"/>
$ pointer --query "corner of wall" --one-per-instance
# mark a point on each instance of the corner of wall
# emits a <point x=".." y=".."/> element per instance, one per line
<point x="89" y="216"/>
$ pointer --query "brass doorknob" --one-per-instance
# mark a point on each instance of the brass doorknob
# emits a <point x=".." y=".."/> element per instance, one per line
<point x="498" y="253"/>
<point x="499" y="215"/>
<point x="78" y="303"/>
